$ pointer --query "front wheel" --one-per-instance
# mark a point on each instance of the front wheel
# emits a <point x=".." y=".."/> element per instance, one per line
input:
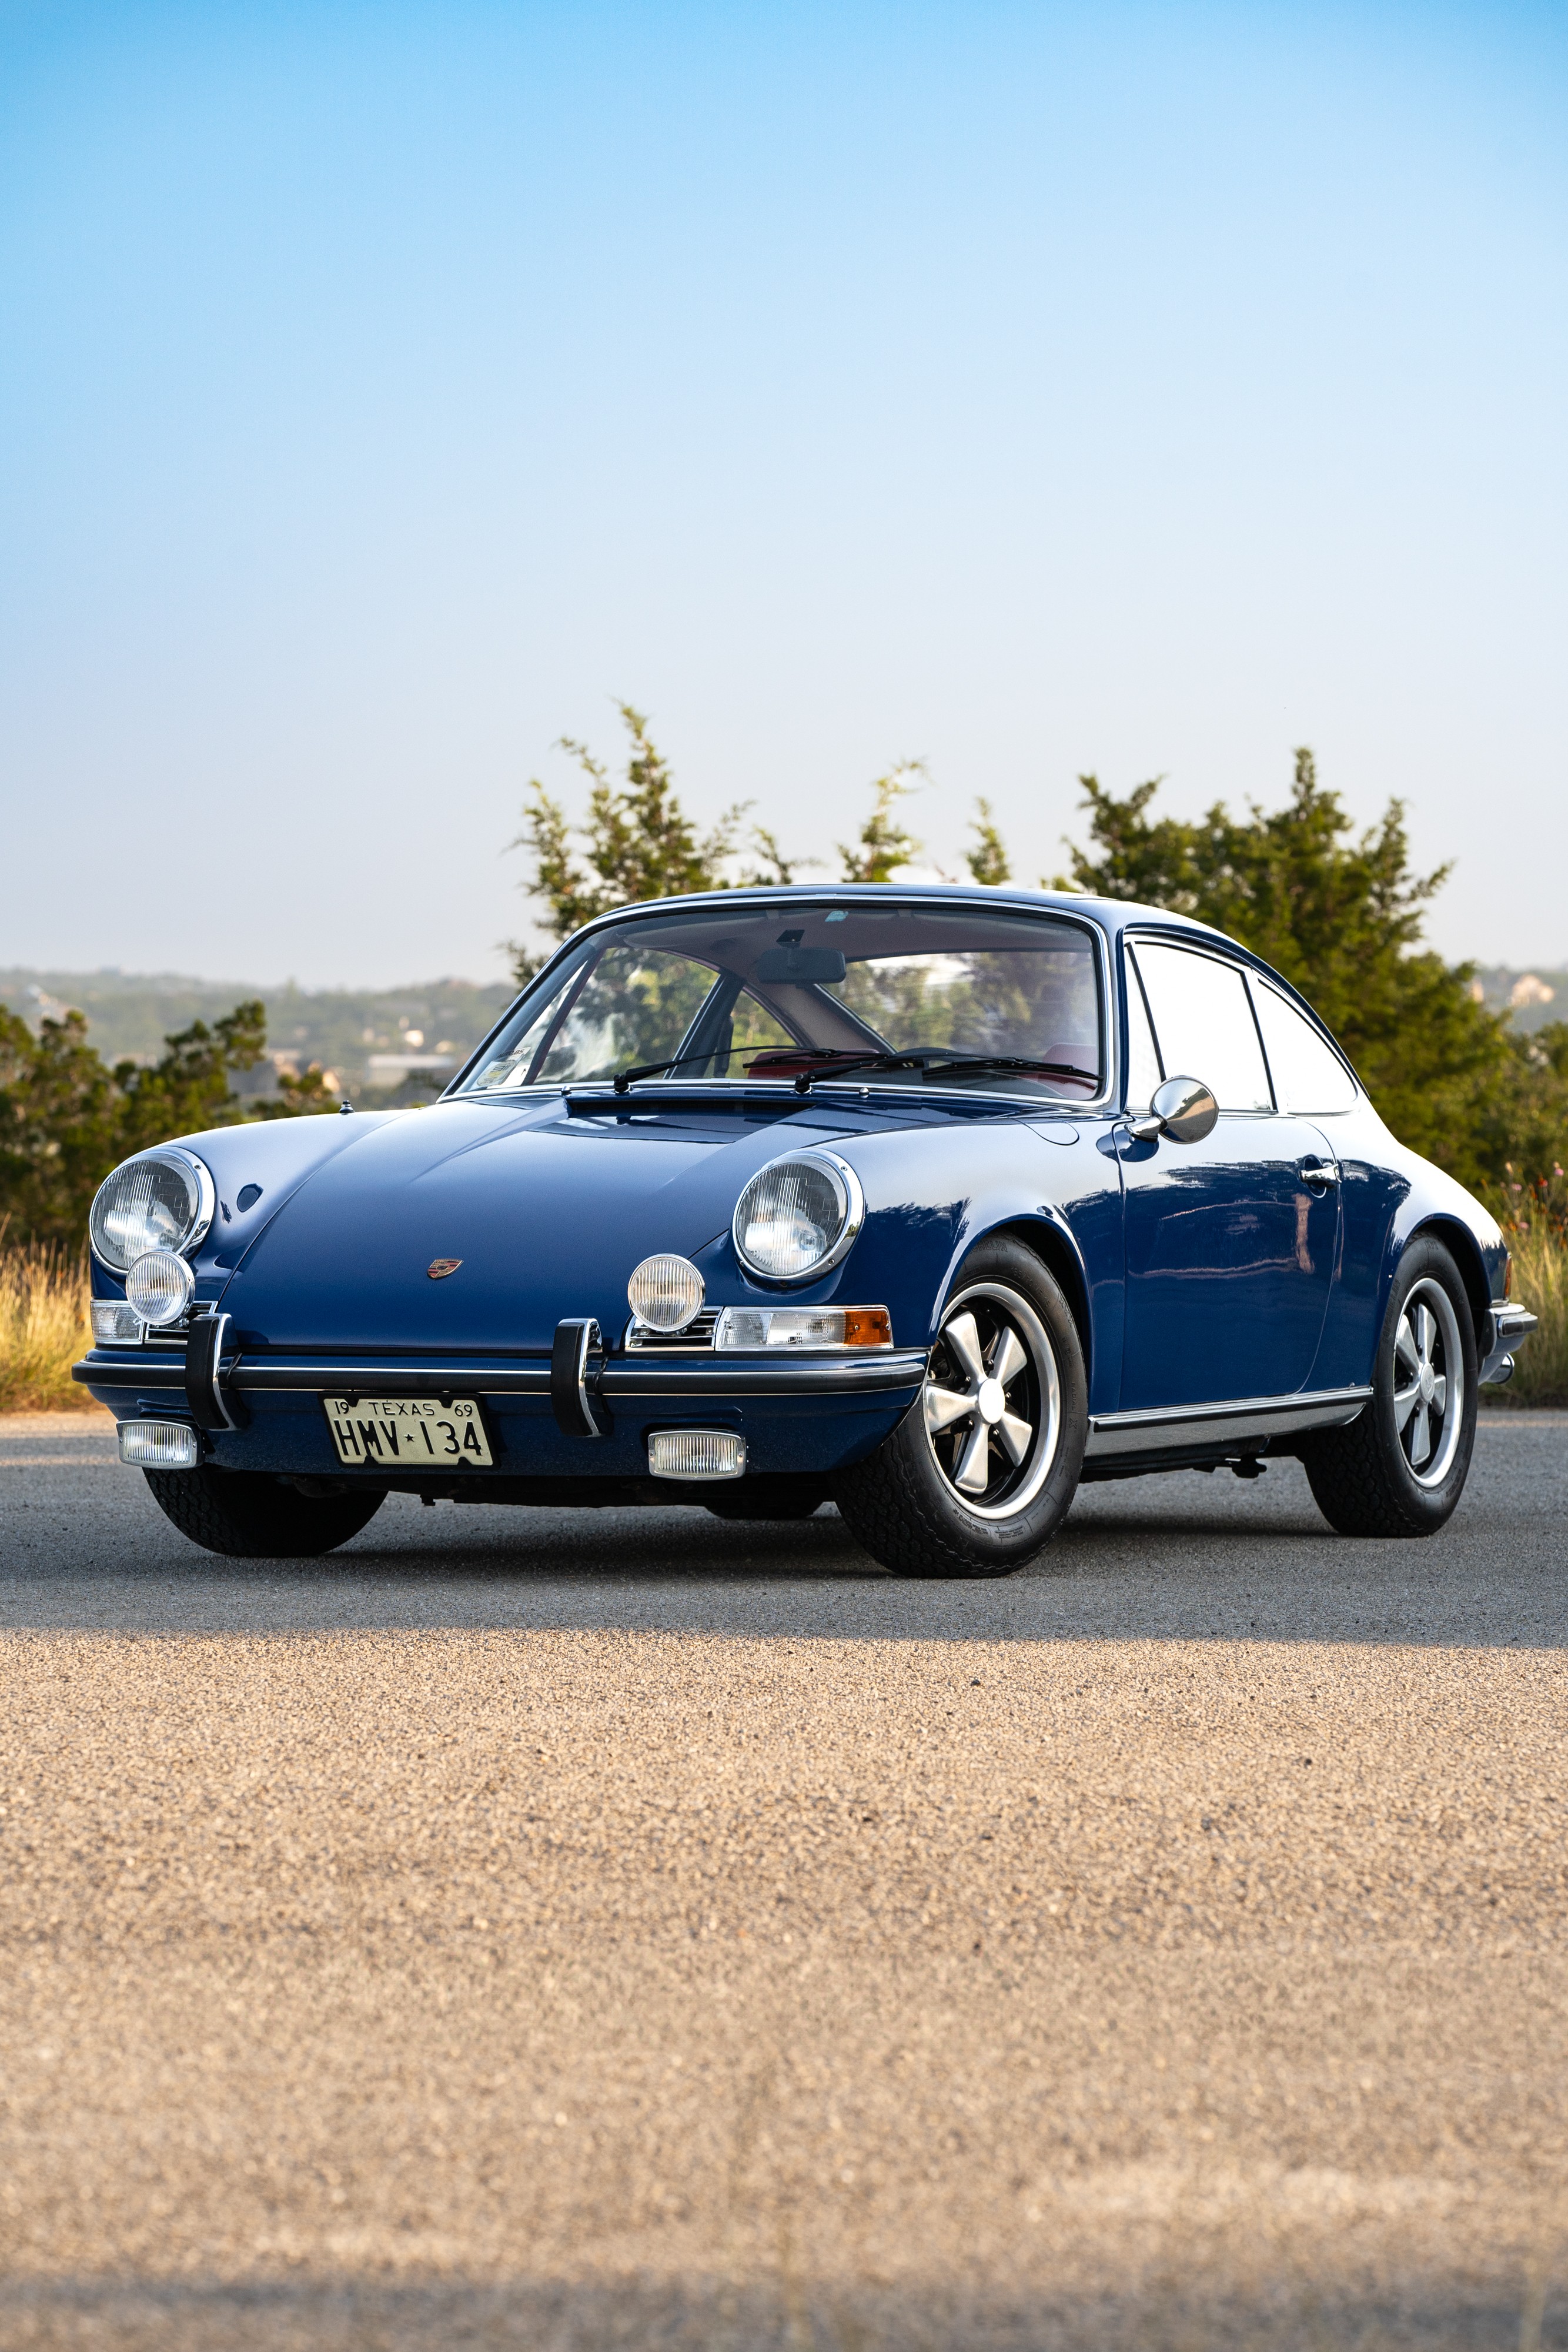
<point x="246" y="1516"/>
<point x="1400" y="1467"/>
<point x="980" y="1472"/>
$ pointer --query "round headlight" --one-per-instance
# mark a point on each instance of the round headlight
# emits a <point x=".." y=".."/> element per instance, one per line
<point x="160" y="1200"/>
<point x="798" y="1217"/>
<point x="159" y="1286"/>
<point x="666" y="1293"/>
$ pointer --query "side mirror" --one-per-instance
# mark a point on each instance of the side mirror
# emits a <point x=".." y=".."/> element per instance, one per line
<point x="1183" y="1108"/>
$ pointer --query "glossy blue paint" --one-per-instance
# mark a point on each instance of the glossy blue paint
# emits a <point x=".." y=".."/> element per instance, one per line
<point x="1230" y="1262"/>
<point x="1199" y="1274"/>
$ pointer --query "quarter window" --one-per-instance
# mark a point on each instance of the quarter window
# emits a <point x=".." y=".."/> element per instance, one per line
<point x="1307" y="1076"/>
<point x="1203" y="1024"/>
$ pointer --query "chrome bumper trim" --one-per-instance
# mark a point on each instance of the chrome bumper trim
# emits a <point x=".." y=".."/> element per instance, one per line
<point x="1155" y="1430"/>
<point x="652" y="1378"/>
<point x="1510" y="1326"/>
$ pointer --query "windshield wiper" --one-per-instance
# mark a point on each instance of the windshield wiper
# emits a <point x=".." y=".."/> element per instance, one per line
<point x="840" y="1065"/>
<point x="1014" y="1062"/>
<point x="931" y="1066"/>
<point x="623" y="1079"/>
<point x="840" y="1059"/>
<point x="837" y="1063"/>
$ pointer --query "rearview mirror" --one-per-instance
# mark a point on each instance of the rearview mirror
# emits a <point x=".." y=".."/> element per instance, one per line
<point x="1183" y="1108"/>
<point x="801" y="964"/>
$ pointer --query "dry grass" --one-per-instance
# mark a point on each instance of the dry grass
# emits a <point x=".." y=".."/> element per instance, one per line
<point x="44" y="1329"/>
<point x="1534" y="1219"/>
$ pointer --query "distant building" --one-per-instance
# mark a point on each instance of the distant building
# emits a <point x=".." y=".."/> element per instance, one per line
<point x="387" y="1069"/>
<point x="1528" y="989"/>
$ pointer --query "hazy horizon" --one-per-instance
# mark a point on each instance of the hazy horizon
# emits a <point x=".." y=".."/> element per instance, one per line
<point x="1028" y="389"/>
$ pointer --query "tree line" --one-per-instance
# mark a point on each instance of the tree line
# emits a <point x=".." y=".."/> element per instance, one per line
<point x="1340" y="913"/>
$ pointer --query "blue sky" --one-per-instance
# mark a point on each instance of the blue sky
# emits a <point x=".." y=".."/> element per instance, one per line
<point x="387" y="389"/>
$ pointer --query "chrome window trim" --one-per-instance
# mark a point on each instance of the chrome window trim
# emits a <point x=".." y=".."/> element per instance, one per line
<point x="859" y="1082"/>
<point x="1256" y="979"/>
<point x="1256" y="975"/>
<point x="1216" y="952"/>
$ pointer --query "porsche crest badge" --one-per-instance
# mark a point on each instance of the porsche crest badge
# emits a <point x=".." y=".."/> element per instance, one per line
<point x="440" y="1267"/>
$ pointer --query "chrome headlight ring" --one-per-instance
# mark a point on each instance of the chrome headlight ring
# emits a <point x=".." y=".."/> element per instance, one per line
<point x="200" y="1198"/>
<point x="767" y="1201"/>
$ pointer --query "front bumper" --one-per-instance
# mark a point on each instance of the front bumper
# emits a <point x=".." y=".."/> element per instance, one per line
<point x="813" y="1414"/>
<point x="1509" y="1327"/>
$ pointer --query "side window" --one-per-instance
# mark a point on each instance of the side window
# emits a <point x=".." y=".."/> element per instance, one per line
<point x="1307" y="1077"/>
<point x="1203" y="1024"/>
<point x="1144" y="1071"/>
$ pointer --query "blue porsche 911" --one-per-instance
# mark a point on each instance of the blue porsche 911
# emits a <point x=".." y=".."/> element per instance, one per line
<point x="934" y="1202"/>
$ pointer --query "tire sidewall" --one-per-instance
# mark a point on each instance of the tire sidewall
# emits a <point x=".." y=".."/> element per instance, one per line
<point x="995" y="1545"/>
<point x="1425" y="1259"/>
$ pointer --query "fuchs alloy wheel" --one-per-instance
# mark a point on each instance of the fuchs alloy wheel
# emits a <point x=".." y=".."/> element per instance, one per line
<point x="980" y="1472"/>
<point x="1400" y="1468"/>
<point x="246" y="1516"/>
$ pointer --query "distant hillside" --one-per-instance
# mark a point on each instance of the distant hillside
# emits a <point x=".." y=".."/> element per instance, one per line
<point x="1534" y="997"/>
<point x="372" y="1041"/>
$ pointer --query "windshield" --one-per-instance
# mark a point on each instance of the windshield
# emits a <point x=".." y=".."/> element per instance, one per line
<point x="754" y="994"/>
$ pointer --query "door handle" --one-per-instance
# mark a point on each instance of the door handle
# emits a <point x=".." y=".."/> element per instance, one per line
<point x="1319" y="1174"/>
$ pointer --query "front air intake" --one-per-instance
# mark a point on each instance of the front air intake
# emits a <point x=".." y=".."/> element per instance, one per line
<point x="696" y="1454"/>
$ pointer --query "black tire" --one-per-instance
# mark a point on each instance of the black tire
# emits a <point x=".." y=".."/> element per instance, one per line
<point x="1364" y="1479"/>
<point x="904" y="1503"/>
<point x="772" y="1495"/>
<point x="246" y="1516"/>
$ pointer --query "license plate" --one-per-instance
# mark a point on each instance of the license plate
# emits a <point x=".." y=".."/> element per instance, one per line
<point x="407" y="1432"/>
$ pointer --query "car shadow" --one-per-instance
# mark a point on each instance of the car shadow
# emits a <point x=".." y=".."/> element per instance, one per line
<point x="1184" y="1557"/>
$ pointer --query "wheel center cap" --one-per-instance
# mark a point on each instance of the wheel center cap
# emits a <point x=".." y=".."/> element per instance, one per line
<point x="990" y="1402"/>
<point x="1428" y="1383"/>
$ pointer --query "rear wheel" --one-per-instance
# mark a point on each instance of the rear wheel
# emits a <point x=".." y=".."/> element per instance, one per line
<point x="1400" y="1468"/>
<point x="245" y="1517"/>
<point x="980" y="1473"/>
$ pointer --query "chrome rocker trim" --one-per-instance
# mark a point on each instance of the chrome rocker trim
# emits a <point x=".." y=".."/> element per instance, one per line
<point x="1158" y="1429"/>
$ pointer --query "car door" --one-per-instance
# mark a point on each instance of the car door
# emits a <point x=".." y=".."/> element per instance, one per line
<point x="1230" y="1243"/>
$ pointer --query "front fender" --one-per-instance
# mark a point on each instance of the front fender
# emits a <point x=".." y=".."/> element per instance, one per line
<point x="1049" y="1185"/>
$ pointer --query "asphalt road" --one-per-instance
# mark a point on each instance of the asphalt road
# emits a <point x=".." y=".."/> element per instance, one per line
<point x="568" y="1930"/>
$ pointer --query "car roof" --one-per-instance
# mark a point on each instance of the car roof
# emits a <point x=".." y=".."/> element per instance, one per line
<point x="1112" y="915"/>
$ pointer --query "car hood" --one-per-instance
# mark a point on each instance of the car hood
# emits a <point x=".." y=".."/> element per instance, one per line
<point x="546" y="1212"/>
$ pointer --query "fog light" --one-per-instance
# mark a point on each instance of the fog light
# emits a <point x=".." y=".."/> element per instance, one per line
<point x="159" y="1287"/>
<point x="666" y="1293"/>
<point x="115" y="1324"/>
<point x="159" y="1445"/>
<point x="696" y="1454"/>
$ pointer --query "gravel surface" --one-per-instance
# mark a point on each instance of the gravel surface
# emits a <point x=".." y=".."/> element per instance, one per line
<point x="569" y="1930"/>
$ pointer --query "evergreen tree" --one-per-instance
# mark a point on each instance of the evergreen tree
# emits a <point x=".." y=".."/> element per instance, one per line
<point x="1341" y="916"/>
<point x="67" y="1118"/>
<point x="987" y="861"/>
<point x="882" y="843"/>
<point x="641" y="843"/>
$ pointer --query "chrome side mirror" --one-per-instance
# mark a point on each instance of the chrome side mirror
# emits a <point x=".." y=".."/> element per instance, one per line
<point x="1183" y="1108"/>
